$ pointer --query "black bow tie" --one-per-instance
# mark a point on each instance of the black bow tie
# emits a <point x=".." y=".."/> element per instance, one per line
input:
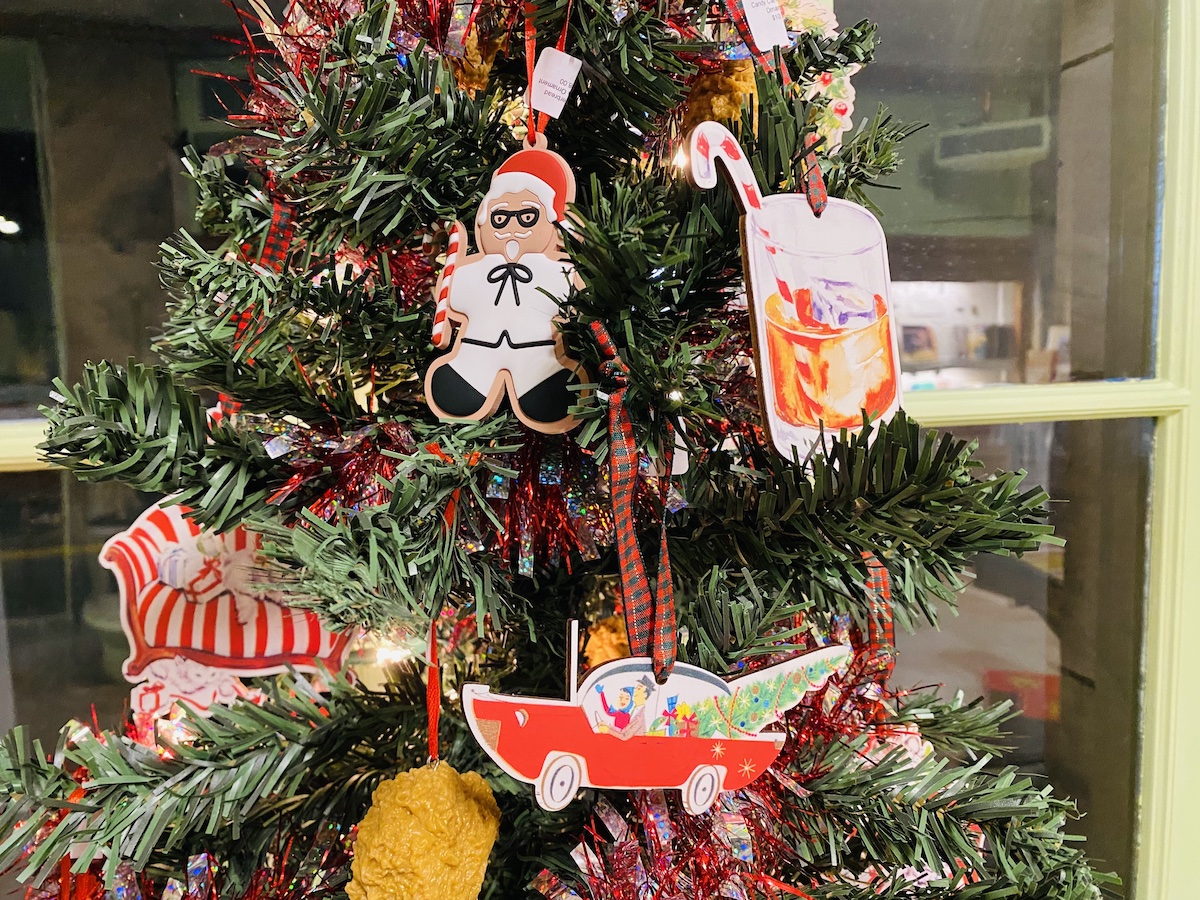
<point x="510" y="272"/>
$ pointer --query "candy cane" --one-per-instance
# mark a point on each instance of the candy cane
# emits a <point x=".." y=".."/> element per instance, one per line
<point x="441" y="325"/>
<point x="711" y="141"/>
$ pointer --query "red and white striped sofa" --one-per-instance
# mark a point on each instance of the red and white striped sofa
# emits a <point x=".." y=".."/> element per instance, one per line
<point x="203" y="606"/>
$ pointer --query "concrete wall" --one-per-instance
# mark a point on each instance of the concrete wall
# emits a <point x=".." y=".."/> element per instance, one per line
<point x="99" y="90"/>
<point x="108" y="134"/>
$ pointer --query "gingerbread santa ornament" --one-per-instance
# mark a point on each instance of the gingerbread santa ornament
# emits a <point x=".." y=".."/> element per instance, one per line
<point x="505" y="301"/>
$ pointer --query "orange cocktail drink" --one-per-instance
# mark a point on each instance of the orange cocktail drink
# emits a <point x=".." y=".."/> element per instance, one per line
<point x="827" y="373"/>
<point x="824" y="327"/>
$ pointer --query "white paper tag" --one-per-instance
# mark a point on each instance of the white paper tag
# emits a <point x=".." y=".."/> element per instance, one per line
<point x="553" y="77"/>
<point x="767" y="27"/>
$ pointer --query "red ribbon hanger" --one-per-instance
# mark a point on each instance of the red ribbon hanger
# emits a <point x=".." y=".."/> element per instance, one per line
<point x="537" y="121"/>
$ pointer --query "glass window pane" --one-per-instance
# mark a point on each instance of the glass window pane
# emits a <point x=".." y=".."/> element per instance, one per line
<point x="61" y="643"/>
<point x="1022" y="237"/>
<point x="94" y="114"/>
<point x="27" y="329"/>
<point x="1002" y="242"/>
<point x="1060" y="631"/>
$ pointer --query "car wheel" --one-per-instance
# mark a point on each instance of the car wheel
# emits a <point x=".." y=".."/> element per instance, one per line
<point x="702" y="789"/>
<point x="559" y="782"/>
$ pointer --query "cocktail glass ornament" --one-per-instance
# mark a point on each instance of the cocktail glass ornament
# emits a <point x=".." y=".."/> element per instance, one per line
<point x="818" y="291"/>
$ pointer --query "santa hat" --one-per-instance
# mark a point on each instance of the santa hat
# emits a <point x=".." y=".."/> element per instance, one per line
<point x="543" y="172"/>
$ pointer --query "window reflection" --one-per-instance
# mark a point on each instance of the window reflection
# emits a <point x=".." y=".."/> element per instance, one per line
<point x="1059" y="632"/>
<point x="94" y="114"/>
<point x="61" y="643"/>
<point x="27" y="361"/>
<point x="1020" y="180"/>
<point x="958" y="333"/>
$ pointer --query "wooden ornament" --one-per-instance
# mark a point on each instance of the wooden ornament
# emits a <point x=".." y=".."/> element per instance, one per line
<point x="197" y="617"/>
<point x="818" y="290"/>
<point x="696" y="732"/>
<point x="505" y="300"/>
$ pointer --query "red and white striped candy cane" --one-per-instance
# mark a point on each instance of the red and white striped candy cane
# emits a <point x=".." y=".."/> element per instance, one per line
<point x="710" y="141"/>
<point x="441" y="324"/>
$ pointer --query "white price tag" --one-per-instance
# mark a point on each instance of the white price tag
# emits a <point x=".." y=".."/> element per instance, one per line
<point x="553" y="77"/>
<point x="767" y="27"/>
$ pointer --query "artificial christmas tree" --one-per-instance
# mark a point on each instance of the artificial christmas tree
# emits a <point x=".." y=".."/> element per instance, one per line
<point x="597" y="453"/>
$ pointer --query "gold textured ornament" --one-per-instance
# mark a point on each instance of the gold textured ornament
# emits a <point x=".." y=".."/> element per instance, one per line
<point x="607" y="640"/>
<point x="473" y="70"/>
<point x="719" y="96"/>
<point x="427" y="836"/>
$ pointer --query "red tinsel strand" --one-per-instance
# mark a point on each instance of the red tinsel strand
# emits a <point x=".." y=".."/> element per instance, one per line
<point x="332" y="475"/>
<point x="463" y="628"/>
<point x="320" y="870"/>
<point x="730" y="353"/>
<point x="768" y="881"/>
<point x="536" y="518"/>
<point x="358" y="481"/>
<point x="413" y="276"/>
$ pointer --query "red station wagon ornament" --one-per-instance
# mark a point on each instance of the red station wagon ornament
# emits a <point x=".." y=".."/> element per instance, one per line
<point x="619" y="730"/>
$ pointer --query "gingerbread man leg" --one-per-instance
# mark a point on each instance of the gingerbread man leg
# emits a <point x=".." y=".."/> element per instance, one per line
<point x="540" y="385"/>
<point x="550" y="400"/>
<point x="452" y="394"/>
<point x="468" y="384"/>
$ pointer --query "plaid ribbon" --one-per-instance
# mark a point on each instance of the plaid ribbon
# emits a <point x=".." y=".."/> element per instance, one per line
<point x="279" y="237"/>
<point x="814" y="181"/>
<point x="737" y="15"/>
<point x="881" y="630"/>
<point x="276" y="244"/>
<point x="649" y="620"/>
<point x="224" y="411"/>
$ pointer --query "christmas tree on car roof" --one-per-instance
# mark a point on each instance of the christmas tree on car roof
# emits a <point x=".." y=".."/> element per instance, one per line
<point x="549" y="531"/>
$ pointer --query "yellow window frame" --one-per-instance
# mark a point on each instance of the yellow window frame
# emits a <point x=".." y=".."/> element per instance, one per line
<point x="1168" y="828"/>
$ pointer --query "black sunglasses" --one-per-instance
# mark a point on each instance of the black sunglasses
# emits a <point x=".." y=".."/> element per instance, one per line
<point x="526" y="218"/>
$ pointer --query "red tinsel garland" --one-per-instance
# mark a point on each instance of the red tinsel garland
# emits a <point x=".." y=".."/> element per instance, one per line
<point x="332" y="474"/>
<point x="537" y="523"/>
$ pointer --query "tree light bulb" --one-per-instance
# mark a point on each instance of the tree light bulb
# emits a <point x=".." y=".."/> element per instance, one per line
<point x="8" y="226"/>
<point x="389" y="654"/>
<point x="680" y="159"/>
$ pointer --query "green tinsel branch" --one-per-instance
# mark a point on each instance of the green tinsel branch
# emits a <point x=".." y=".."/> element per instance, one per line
<point x="871" y="153"/>
<point x="137" y="425"/>
<point x="909" y="497"/>
<point x="893" y="813"/>
<point x="955" y="727"/>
